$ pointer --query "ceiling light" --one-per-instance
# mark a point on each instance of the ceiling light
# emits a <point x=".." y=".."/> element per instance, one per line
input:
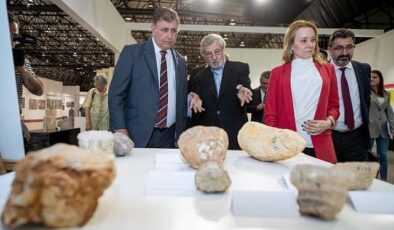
<point x="150" y="5"/>
<point x="127" y="18"/>
<point x="232" y="22"/>
<point x="242" y="44"/>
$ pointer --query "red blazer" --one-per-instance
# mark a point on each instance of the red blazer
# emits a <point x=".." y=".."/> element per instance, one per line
<point x="279" y="106"/>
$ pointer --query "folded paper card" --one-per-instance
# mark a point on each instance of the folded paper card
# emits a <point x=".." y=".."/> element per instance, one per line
<point x="171" y="180"/>
<point x="264" y="203"/>
<point x="373" y="202"/>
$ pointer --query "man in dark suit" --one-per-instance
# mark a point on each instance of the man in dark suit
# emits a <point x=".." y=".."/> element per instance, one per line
<point x="350" y="134"/>
<point x="224" y="88"/>
<point x="148" y="93"/>
<point x="256" y="108"/>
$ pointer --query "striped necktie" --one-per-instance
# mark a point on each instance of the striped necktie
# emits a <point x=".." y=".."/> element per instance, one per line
<point x="161" y="116"/>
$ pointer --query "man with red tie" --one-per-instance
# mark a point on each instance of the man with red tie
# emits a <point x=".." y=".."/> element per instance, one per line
<point x="148" y="93"/>
<point x="350" y="134"/>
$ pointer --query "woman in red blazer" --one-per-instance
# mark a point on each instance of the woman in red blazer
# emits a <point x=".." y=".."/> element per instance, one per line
<point x="302" y="93"/>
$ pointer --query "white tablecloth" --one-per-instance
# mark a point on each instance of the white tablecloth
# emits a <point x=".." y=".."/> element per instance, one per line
<point x="128" y="204"/>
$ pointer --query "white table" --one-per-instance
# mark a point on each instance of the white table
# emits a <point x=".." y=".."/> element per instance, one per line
<point x="128" y="204"/>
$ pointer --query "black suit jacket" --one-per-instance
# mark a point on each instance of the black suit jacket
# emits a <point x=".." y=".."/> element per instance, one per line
<point x="224" y="111"/>
<point x="257" y="115"/>
<point x="363" y="75"/>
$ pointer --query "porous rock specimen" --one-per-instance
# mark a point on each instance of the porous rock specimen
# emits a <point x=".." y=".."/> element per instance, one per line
<point x="322" y="192"/>
<point x="211" y="177"/>
<point x="201" y="144"/>
<point x="267" y="143"/>
<point x="123" y="145"/>
<point x="58" y="187"/>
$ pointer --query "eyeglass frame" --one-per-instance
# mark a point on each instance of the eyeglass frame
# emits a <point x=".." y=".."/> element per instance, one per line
<point x="215" y="52"/>
<point x="342" y="48"/>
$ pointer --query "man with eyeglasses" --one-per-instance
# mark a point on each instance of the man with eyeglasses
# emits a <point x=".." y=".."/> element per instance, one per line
<point x="224" y="88"/>
<point x="148" y="94"/>
<point x="350" y="134"/>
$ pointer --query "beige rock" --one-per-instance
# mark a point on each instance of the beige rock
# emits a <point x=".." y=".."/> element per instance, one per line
<point x="201" y="144"/>
<point x="322" y="192"/>
<point x="58" y="187"/>
<point x="266" y="143"/>
<point x="211" y="177"/>
<point x="360" y="174"/>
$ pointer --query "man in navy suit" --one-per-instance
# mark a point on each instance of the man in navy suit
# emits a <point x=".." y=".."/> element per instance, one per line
<point x="136" y="99"/>
<point x="350" y="136"/>
<point x="224" y="88"/>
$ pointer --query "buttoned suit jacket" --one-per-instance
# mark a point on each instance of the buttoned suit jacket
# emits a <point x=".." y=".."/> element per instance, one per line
<point x="279" y="110"/>
<point x="134" y="92"/>
<point x="363" y="76"/>
<point x="224" y="111"/>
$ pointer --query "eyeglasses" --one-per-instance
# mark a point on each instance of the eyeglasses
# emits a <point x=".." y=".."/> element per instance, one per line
<point x="210" y="55"/>
<point x="342" y="48"/>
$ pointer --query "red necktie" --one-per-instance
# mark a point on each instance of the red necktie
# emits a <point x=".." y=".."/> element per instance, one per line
<point x="347" y="102"/>
<point x="161" y="116"/>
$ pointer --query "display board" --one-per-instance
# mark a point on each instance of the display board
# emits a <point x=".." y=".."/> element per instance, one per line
<point x="11" y="141"/>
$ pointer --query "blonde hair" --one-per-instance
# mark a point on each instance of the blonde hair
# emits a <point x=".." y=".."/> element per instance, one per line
<point x="287" y="53"/>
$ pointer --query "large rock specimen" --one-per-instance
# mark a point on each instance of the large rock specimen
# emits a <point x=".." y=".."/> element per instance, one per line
<point x="360" y="174"/>
<point x="201" y="144"/>
<point x="211" y="177"/>
<point x="266" y="143"/>
<point x="58" y="186"/>
<point x="322" y="192"/>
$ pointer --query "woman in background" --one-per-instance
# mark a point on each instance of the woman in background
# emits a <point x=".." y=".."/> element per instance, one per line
<point x="381" y="120"/>
<point x="302" y="93"/>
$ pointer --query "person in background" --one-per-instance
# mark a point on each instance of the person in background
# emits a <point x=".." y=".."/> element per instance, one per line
<point x="381" y="120"/>
<point x="302" y="93"/>
<point x="96" y="105"/>
<point x="256" y="108"/>
<point x="224" y="88"/>
<point x="351" y="133"/>
<point x="148" y="96"/>
<point x="24" y="75"/>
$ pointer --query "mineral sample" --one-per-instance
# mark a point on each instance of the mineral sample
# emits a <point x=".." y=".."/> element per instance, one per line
<point x="360" y="174"/>
<point x="58" y="187"/>
<point x="266" y="143"/>
<point x="96" y="140"/>
<point x="123" y="145"/>
<point x="322" y="192"/>
<point x="201" y="144"/>
<point x="211" y="177"/>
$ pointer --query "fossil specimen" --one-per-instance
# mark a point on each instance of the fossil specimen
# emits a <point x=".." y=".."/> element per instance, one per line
<point x="266" y="143"/>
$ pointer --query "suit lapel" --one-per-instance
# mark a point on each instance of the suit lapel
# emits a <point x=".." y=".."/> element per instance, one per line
<point x="359" y="72"/>
<point x="175" y="57"/>
<point x="149" y="53"/>
<point x="288" y="103"/>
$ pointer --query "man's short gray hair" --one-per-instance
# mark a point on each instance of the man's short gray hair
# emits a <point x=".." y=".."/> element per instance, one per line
<point x="100" y="79"/>
<point x="211" y="38"/>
